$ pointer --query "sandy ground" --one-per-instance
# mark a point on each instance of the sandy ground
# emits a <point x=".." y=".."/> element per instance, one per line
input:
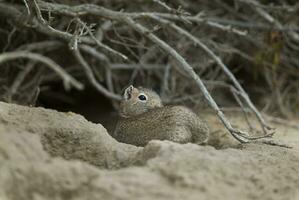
<point x="287" y="133"/>
<point x="46" y="154"/>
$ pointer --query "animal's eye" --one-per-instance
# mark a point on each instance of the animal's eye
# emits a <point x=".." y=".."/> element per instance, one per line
<point x="142" y="97"/>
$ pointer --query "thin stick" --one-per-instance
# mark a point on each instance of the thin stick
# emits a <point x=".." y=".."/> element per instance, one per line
<point x="224" y="68"/>
<point x="20" y="78"/>
<point x="239" y="135"/>
<point x="101" y="57"/>
<point x="67" y="79"/>
<point x="100" y="44"/>
<point x="27" y="7"/>
<point x="235" y="93"/>
<point x="91" y="77"/>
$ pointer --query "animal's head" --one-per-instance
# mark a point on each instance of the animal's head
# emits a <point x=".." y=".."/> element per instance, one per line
<point x="138" y="100"/>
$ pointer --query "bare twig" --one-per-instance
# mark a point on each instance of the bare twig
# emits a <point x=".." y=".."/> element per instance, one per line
<point x="236" y="94"/>
<point x="83" y="39"/>
<point x="67" y="79"/>
<point x="239" y="135"/>
<point x="27" y="7"/>
<point x="20" y="77"/>
<point x="38" y="13"/>
<point x="43" y="46"/>
<point x="100" y="44"/>
<point x="224" y="68"/>
<point x="91" y="77"/>
<point x="178" y="12"/>
<point x="100" y="11"/>
<point x="96" y="10"/>
<point x="103" y="58"/>
<point x="164" y="5"/>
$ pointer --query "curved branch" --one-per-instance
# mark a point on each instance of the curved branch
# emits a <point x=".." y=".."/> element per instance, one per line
<point x="145" y="32"/>
<point x="67" y="79"/>
<point x="91" y="77"/>
<point x="223" y="67"/>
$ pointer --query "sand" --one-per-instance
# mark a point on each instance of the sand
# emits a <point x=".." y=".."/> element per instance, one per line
<point x="45" y="154"/>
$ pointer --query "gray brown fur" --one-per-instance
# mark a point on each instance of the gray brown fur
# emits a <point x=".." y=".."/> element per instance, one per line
<point x="141" y="122"/>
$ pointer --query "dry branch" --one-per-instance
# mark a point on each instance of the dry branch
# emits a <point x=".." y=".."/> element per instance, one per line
<point x="68" y="80"/>
<point x="91" y="77"/>
<point x="84" y="39"/>
<point x="21" y="77"/>
<point x="238" y="86"/>
<point x="239" y="135"/>
<point x="145" y="32"/>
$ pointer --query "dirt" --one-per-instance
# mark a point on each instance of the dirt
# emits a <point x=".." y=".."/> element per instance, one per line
<point x="46" y="154"/>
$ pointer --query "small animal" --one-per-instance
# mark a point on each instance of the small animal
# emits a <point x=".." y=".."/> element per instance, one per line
<point x="143" y="118"/>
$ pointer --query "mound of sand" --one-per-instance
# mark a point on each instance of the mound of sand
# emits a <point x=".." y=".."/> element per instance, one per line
<point x="45" y="154"/>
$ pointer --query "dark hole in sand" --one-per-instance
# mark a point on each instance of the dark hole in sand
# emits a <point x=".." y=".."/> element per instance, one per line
<point x="88" y="103"/>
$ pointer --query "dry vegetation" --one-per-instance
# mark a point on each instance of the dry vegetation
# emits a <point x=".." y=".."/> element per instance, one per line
<point x="224" y="46"/>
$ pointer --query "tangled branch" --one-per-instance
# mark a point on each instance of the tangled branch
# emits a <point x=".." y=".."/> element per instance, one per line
<point x="68" y="80"/>
<point x="84" y="38"/>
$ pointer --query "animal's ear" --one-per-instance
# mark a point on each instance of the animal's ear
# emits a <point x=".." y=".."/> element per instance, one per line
<point x="128" y="92"/>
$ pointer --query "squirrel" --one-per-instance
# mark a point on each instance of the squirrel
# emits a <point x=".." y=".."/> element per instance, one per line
<point x="143" y="118"/>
